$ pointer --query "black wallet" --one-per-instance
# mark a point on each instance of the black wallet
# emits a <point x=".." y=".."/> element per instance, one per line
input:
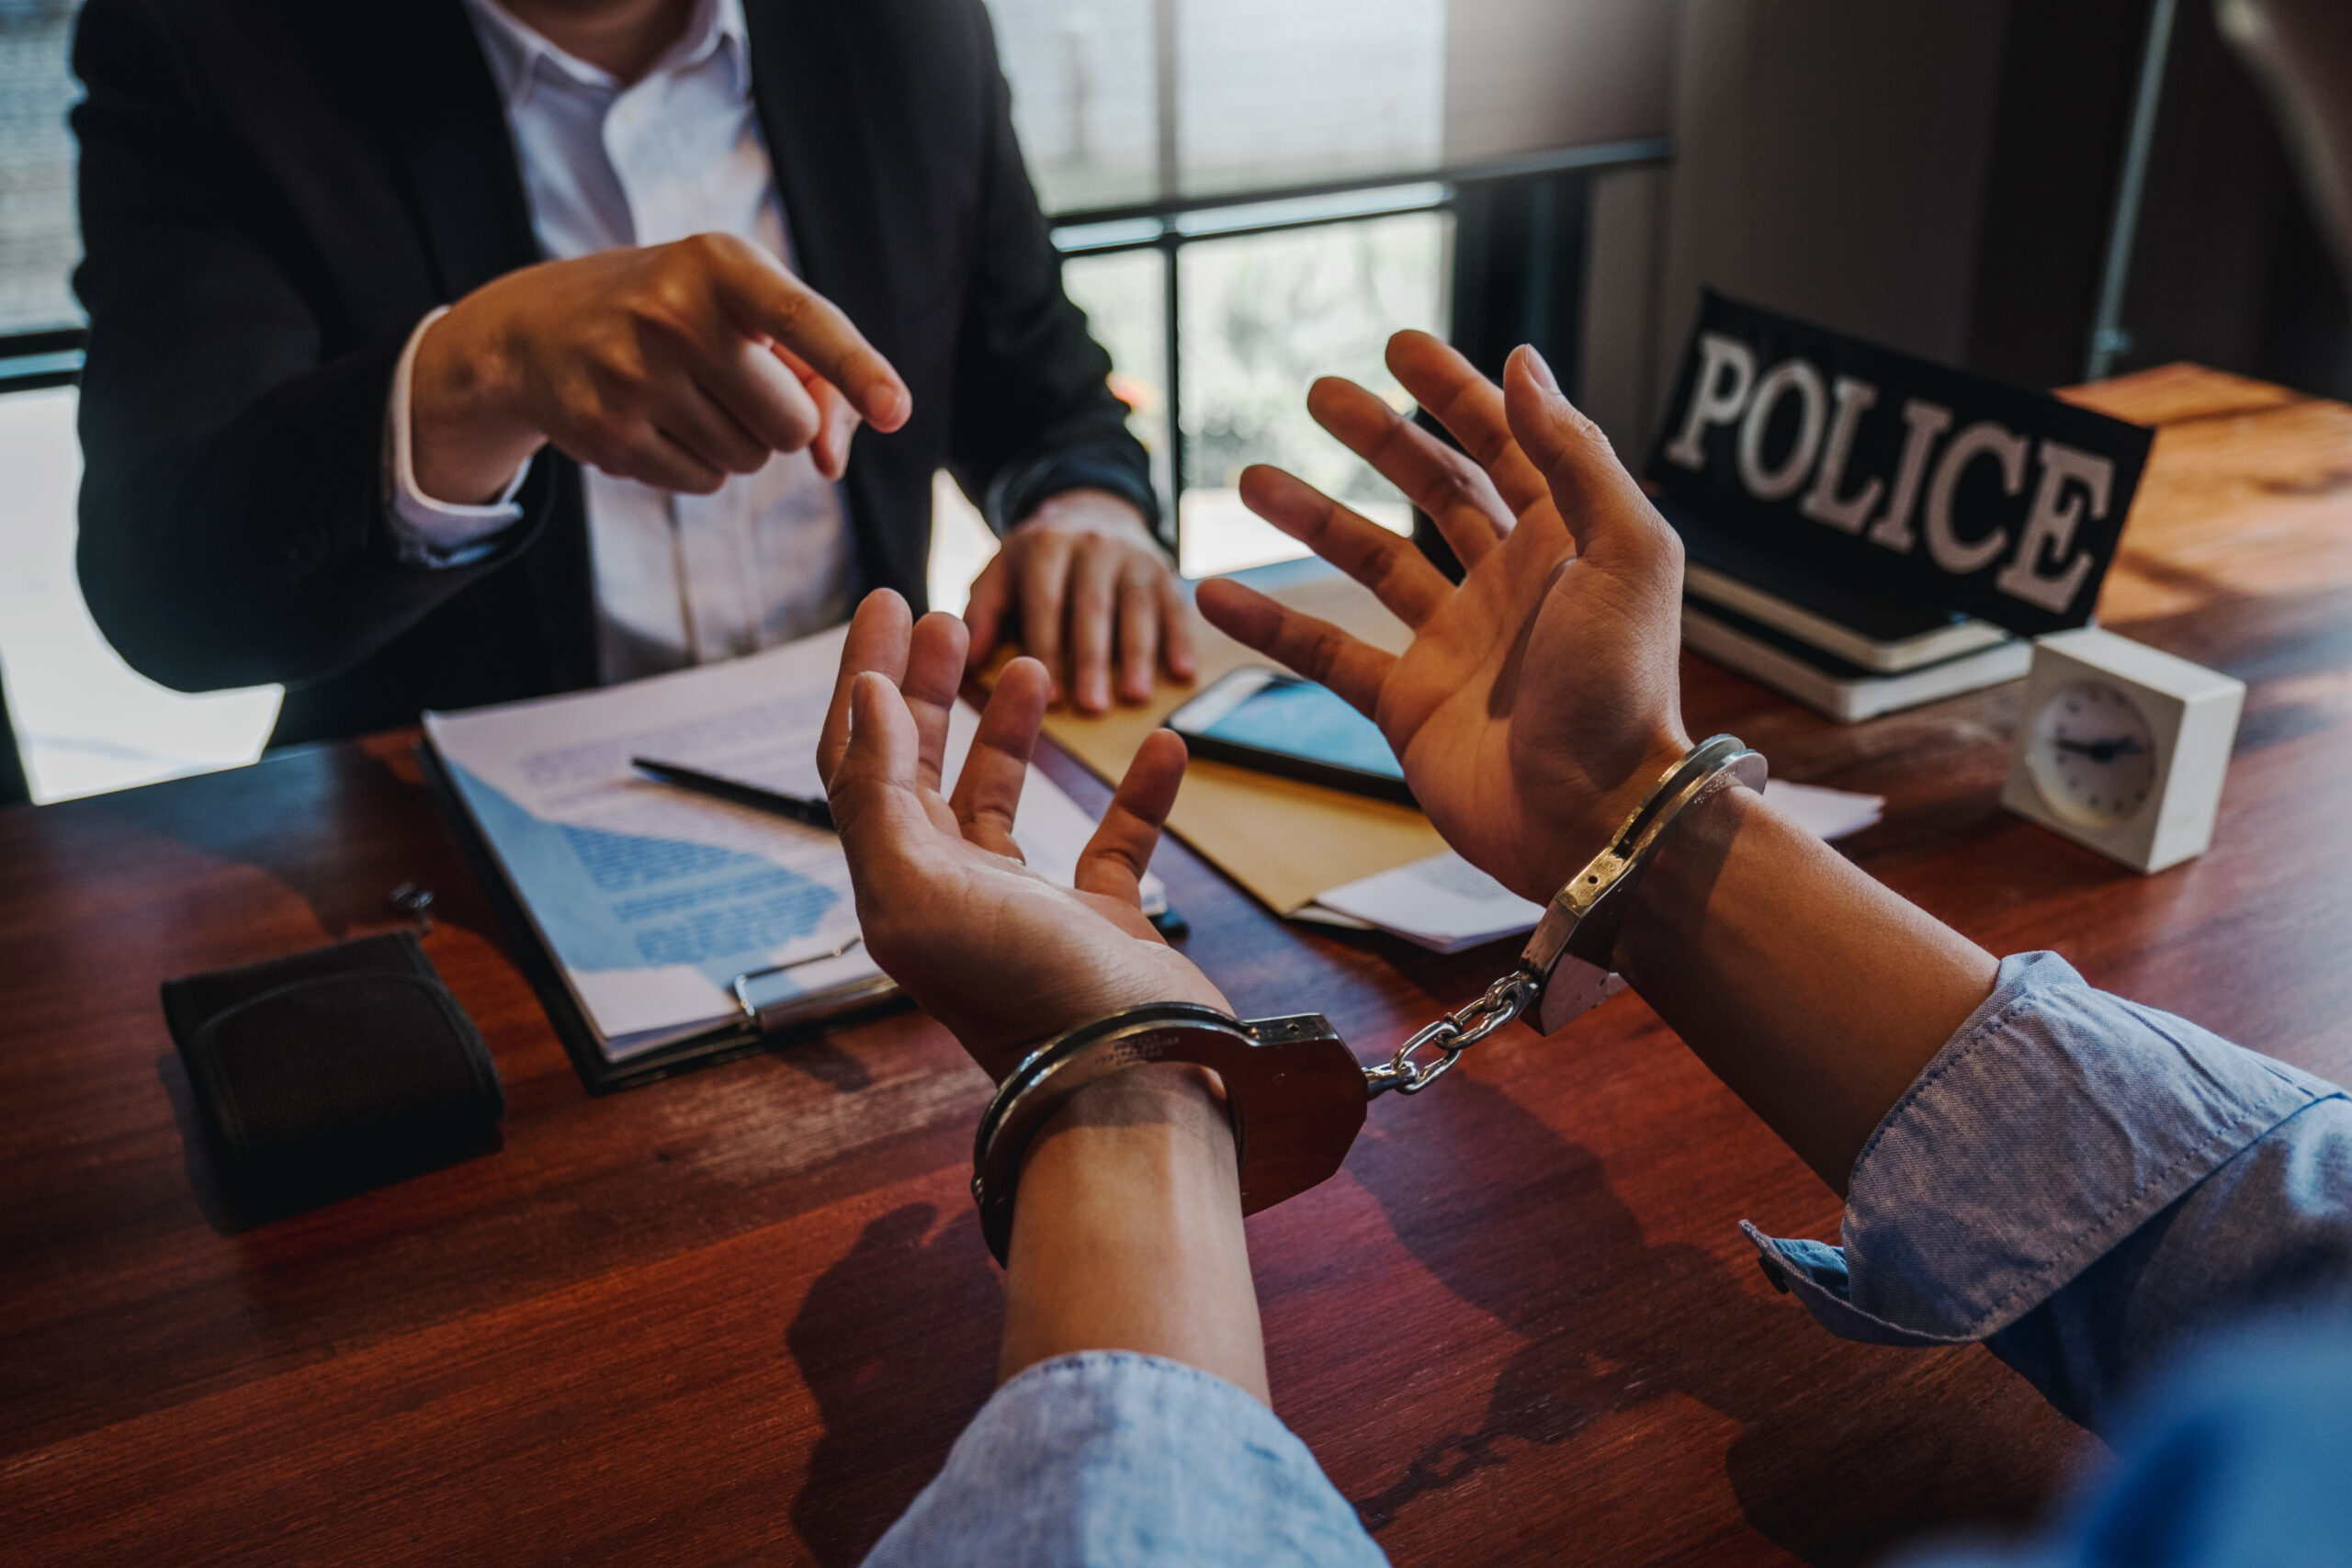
<point x="328" y="1071"/>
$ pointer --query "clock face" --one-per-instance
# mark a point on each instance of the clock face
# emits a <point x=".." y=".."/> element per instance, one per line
<point x="2091" y="754"/>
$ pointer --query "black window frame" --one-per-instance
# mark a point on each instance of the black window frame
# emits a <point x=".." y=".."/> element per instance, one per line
<point x="1518" y="259"/>
<point x="52" y="357"/>
<point x="1518" y="251"/>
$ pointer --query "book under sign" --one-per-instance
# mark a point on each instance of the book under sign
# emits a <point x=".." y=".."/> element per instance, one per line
<point x="1865" y="530"/>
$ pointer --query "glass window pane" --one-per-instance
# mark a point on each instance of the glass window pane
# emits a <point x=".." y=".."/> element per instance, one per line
<point x="1124" y="296"/>
<point x="39" y="242"/>
<point x="1263" y="315"/>
<point x="1270" y="93"/>
<point x="1296" y="91"/>
<point x="1084" y="99"/>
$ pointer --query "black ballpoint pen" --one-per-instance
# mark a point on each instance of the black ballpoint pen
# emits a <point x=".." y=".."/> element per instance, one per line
<point x="815" y="813"/>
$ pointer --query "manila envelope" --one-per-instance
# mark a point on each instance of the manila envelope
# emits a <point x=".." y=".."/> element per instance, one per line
<point x="1284" y="840"/>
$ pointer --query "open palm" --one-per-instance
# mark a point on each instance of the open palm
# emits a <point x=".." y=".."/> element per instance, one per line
<point x="1537" y="701"/>
<point x="999" y="954"/>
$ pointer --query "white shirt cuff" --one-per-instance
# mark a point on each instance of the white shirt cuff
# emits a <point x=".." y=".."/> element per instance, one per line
<point x="426" y="531"/>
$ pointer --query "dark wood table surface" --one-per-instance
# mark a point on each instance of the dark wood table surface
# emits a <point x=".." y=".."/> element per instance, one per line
<point x="741" y="1316"/>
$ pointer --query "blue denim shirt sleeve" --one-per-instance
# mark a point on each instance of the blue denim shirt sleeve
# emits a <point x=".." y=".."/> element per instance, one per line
<point x="2237" y="1461"/>
<point x="1114" y="1456"/>
<point x="2085" y="1182"/>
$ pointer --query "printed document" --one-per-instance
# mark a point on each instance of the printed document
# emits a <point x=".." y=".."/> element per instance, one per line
<point x="653" y="899"/>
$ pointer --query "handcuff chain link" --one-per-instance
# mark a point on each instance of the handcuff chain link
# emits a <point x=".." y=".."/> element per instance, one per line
<point x="1584" y="901"/>
<point x="1455" y="1032"/>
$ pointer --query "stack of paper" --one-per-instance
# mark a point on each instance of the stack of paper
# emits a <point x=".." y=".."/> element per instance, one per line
<point x="1446" y="904"/>
<point x="1831" y="813"/>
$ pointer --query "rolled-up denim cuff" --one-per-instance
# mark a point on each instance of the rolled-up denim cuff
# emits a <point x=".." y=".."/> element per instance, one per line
<point x="2055" y="1122"/>
<point x="1110" y="1456"/>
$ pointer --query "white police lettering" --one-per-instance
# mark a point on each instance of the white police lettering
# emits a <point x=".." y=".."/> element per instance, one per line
<point x="1800" y="439"/>
<point x="1796" y="376"/>
<point x="1923" y="421"/>
<point x="1714" y="399"/>
<point x="1985" y="438"/>
<point x="1854" y="397"/>
<point x="2049" y="527"/>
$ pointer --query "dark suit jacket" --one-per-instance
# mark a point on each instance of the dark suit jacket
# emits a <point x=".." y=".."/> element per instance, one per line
<point x="275" y="191"/>
<point x="13" y="788"/>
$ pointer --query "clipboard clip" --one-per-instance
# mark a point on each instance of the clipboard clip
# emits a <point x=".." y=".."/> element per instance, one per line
<point x="765" y="1021"/>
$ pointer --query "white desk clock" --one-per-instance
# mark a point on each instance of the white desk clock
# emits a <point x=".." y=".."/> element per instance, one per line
<point x="2122" y="748"/>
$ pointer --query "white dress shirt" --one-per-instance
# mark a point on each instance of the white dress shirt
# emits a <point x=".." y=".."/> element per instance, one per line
<point x="680" y="579"/>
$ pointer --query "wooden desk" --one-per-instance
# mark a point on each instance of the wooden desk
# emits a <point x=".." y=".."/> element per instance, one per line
<point x="740" y="1316"/>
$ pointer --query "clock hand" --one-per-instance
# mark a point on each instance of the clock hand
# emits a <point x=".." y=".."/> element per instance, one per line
<point x="2102" y="750"/>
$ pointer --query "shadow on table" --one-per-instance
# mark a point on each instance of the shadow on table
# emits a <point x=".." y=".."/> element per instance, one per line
<point x="897" y="1343"/>
<point x="1613" y="1323"/>
<point x="339" y="827"/>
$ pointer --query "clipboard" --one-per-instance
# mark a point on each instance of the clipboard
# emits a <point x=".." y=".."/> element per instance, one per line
<point x="757" y="1029"/>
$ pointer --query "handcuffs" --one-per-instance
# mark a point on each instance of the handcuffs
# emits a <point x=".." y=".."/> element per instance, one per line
<point x="1294" y="1091"/>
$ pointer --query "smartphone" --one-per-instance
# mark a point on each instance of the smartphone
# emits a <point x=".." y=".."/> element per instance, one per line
<point x="1282" y="723"/>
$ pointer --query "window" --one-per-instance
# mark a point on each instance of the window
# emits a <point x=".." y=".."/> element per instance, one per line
<point x="1128" y="103"/>
<point x="83" y="721"/>
<point x="38" y="241"/>
<point x="1250" y="194"/>
<point x="1256" y="302"/>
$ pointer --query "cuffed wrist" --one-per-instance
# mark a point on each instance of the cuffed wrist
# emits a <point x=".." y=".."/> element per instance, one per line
<point x="1589" y="832"/>
<point x="1176" y="1093"/>
<point x="1617" y="804"/>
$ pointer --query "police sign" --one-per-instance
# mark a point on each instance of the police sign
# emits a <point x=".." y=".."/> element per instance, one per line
<point x="1924" y="482"/>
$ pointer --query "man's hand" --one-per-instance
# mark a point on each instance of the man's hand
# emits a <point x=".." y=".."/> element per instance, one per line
<point x="1082" y="575"/>
<point x="675" y="364"/>
<point x="1539" y="700"/>
<point x="990" y="948"/>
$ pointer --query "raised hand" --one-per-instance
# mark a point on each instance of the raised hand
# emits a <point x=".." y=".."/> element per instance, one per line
<point x="992" y="950"/>
<point x="1539" y="699"/>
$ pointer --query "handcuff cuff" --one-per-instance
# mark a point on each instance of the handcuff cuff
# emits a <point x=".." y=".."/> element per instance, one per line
<point x="1296" y="1093"/>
